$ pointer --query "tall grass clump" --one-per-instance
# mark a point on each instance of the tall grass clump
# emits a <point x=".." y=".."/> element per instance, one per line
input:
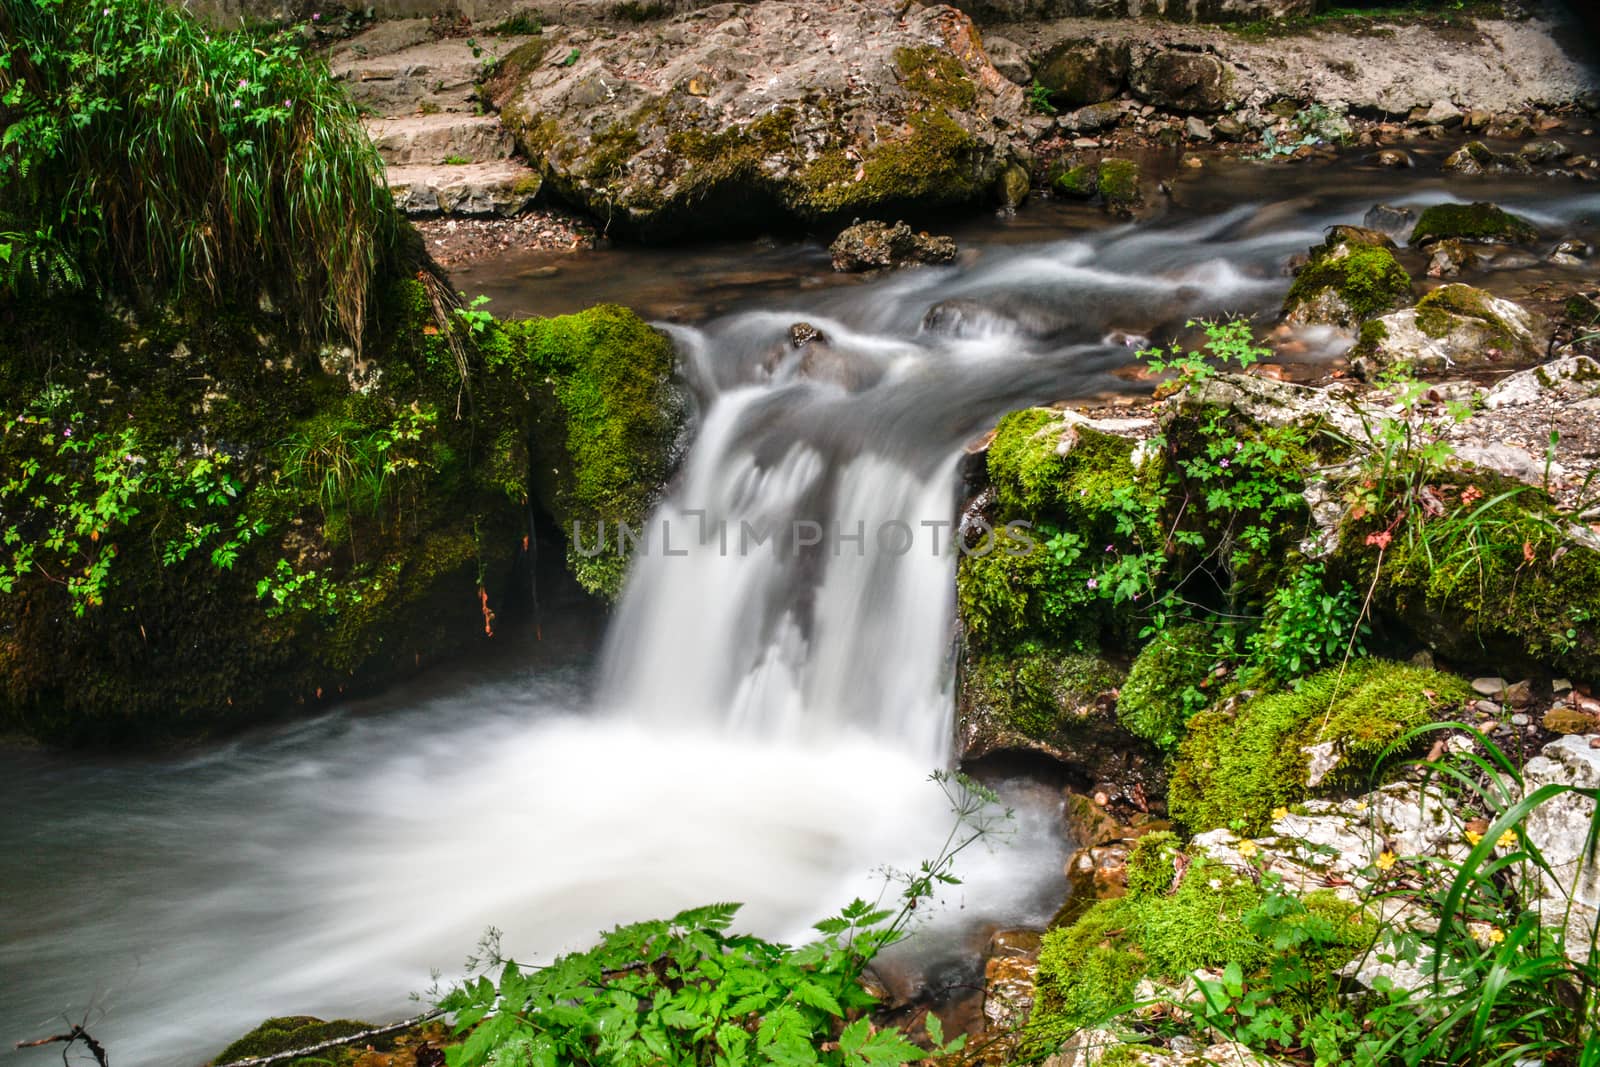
<point x="145" y="154"/>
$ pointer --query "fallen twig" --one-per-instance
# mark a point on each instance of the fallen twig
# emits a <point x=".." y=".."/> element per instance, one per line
<point x="77" y="1033"/>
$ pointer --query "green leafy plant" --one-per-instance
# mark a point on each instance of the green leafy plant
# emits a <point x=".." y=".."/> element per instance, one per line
<point x="76" y="496"/>
<point x="686" y="991"/>
<point x="142" y="148"/>
<point x="1039" y="99"/>
<point x="1308" y="626"/>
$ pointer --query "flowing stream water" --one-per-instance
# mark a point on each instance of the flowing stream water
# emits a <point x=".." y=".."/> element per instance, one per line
<point x="764" y="714"/>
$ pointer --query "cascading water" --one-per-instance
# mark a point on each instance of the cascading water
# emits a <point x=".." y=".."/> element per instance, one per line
<point x="766" y="714"/>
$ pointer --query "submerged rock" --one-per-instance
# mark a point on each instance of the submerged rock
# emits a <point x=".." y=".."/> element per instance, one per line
<point x="1449" y="257"/>
<point x="874" y="245"/>
<point x="1471" y="222"/>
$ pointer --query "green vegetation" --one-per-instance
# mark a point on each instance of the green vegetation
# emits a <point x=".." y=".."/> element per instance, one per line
<point x="1373" y="19"/>
<point x="1496" y="978"/>
<point x="143" y="151"/>
<point x="1170" y="925"/>
<point x="1366" y="279"/>
<point x="935" y="75"/>
<point x="1471" y="222"/>
<point x="286" y="1033"/>
<point x="1239" y="761"/>
<point x="933" y="162"/>
<point x="1169" y="682"/>
<point x="685" y="991"/>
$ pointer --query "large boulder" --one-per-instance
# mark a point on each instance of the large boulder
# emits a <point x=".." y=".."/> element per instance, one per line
<point x="1350" y="278"/>
<point x="1559" y="828"/>
<point x="715" y="120"/>
<point x="1083" y="72"/>
<point x="1453" y="328"/>
<point x="1186" y="81"/>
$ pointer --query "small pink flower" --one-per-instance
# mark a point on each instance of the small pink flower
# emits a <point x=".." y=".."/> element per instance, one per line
<point x="238" y="104"/>
<point x="317" y="17"/>
<point x="1093" y="583"/>
<point x="244" y="83"/>
<point x="1225" y="463"/>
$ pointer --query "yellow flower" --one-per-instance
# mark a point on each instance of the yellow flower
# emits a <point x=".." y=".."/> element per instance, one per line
<point x="1495" y="935"/>
<point x="1386" y="861"/>
<point x="1473" y="837"/>
<point x="1280" y="813"/>
<point x="1507" y="840"/>
<point x="1247" y="849"/>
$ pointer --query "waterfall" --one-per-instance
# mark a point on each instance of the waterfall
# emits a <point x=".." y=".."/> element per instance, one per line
<point x="759" y="631"/>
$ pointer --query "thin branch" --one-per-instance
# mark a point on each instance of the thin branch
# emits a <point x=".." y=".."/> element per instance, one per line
<point x="337" y="1042"/>
<point x="77" y="1033"/>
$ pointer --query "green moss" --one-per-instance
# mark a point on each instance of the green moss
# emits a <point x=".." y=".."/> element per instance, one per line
<point x="1439" y="312"/>
<point x="1081" y="181"/>
<point x="1089" y="971"/>
<point x="1368" y="279"/>
<point x="936" y="76"/>
<point x="609" y="152"/>
<point x="1238" y="763"/>
<point x="1031" y="475"/>
<point x="604" y="421"/>
<point x="1038" y="694"/>
<point x="1507" y="586"/>
<point x="1152" y="864"/>
<point x="1165" y="686"/>
<point x="933" y="163"/>
<point x="287" y="1033"/>
<point x="1119" y="183"/>
<point x="1471" y="222"/>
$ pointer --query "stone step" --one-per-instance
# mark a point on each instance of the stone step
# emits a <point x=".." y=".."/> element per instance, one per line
<point x="430" y="77"/>
<point x="502" y="187"/>
<point x="433" y="139"/>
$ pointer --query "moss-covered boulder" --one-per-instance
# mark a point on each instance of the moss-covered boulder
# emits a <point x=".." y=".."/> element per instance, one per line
<point x="286" y="1034"/>
<point x="1115" y="181"/>
<point x="1250" y="755"/>
<point x="1349" y="279"/>
<point x="1530" y="598"/>
<point x="1454" y="328"/>
<point x="705" y="123"/>
<point x="1180" y="914"/>
<point x="1472" y="222"/>
<point x="214" y="520"/>
<point x="1081" y="72"/>
<point x="1168" y="683"/>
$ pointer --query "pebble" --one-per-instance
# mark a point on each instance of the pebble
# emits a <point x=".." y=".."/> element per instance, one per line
<point x="1561" y="685"/>
<point x="1594" y="742"/>
<point x="1487" y="707"/>
<point x="1520" y="719"/>
<point x="1489" y="687"/>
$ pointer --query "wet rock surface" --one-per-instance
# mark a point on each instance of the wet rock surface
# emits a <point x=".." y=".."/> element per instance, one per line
<point x="875" y="245"/>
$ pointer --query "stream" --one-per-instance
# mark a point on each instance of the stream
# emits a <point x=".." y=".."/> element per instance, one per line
<point x="758" y="722"/>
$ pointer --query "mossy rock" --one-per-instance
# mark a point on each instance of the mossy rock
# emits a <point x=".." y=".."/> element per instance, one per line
<point x="1045" y="700"/>
<point x="1082" y="72"/>
<point x="1347" y="283"/>
<point x="1118" y="183"/>
<point x="1472" y="222"/>
<point x="1167" y="684"/>
<point x="1080" y="182"/>
<point x="1239" y="761"/>
<point x="605" y="418"/>
<point x="287" y="1033"/>
<point x="1089" y="970"/>
<point x="935" y="75"/>
<point x="1530" y="599"/>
